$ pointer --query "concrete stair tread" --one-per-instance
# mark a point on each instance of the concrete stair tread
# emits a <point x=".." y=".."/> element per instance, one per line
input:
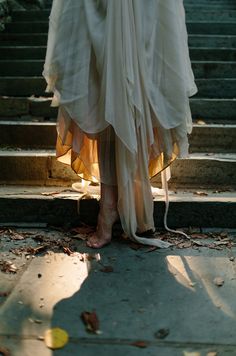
<point x="9" y="152"/>
<point x="52" y="192"/>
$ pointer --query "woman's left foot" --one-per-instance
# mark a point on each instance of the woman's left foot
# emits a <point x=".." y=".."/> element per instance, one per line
<point x="103" y="235"/>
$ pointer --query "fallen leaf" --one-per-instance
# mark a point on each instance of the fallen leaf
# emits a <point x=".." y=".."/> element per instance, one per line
<point x="202" y="194"/>
<point x="212" y="353"/>
<point x="199" y="236"/>
<point x="201" y="122"/>
<point x="15" y="235"/>
<point x="140" y="344"/>
<point x="91" y="321"/>
<point x="8" y="267"/>
<point x="162" y="333"/>
<point x="68" y="251"/>
<point x="218" y="281"/>
<point x="4" y="294"/>
<point x="4" y="351"/>
<point x="56" y="338"/>
<point x="49" y="193"/>
<point x="107" y="269"/>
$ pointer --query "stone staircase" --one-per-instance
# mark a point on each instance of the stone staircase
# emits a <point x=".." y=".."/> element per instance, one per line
<point x="205" y="181"/>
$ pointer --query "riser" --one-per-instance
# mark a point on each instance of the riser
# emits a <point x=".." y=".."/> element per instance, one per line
<point x="34" y="208"/>
<point x="205" y="138"/>
<point x="35" y="67"/>
<point x="216" y="88"/>
<point x="22" y="52"/>
<point x="58" y="211"/>
<point x="198" y="14"/>
<point x="228" y="28"/>
<point x="38" y="168"/>
<point x="194" y="40"/>
<point x="21" y="107"/>
<point x="201" y="70"/>
<point x="213" y="54"/>
<point x="211" y="110"/>
<point x="23" y="86"/>
<point x="215" y="41"/>
<point x="38" y="53"/>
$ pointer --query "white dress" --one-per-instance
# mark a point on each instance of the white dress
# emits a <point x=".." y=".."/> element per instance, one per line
<point x="121" y="75"/>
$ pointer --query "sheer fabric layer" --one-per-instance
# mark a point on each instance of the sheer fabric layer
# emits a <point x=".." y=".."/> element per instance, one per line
<point x="121" y="75"/>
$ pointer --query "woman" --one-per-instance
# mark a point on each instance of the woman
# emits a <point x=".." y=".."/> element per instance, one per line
<point x="121" y="75"/>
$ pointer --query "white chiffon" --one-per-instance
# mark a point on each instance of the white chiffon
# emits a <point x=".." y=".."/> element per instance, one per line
<point x="121" y="75"/>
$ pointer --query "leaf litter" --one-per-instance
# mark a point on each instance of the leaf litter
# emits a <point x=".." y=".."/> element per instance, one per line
<point x="91" y="322"/>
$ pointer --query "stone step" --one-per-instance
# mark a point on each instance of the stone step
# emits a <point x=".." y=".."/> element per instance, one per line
<point x="202" y="69"/>
<point x="201" y="27"/>
<point x="224" y="12"/>
<point x="39" y="52"/>
<point x="23" y="108"/>
<point x="29" y="205"/>
<point x="40" y="167"/>
<point x="27" y="86"/>
<point x="27" y="39"/>
<point x="217" y="138"/>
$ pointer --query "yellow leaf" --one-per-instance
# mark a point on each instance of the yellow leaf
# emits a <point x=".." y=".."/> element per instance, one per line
<point x="56" y="338"/>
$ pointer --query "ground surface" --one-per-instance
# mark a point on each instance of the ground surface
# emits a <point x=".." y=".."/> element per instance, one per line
<point x="143" y="301"/>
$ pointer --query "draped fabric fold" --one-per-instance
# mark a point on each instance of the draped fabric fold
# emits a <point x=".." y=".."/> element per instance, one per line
<point x="121" y="75"/>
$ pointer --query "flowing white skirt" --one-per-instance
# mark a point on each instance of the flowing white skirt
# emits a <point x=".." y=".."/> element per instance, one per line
<point x="121" y="76"/>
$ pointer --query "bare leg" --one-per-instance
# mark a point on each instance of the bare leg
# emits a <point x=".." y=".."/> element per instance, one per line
<point x="107" y="216"/>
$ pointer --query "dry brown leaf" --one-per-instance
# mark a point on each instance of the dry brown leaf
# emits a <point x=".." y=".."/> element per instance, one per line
<point x="199" y="236"/>
<point x="162" y="333"/>
<point x="68" y="251"/>
<point x="218" y="281"/>
<point x="140" y="344"/>
<point x="107" y="269"/>
<point x="4" y="351"/>
<point x="201" y="122"/>
<point x="186" y="244"/>
<point x="49" y="193"/>
<point x="202" y="194"/>
<point x="4" y="294"/>
<point x="8" y="267"/>
<point x="212" y="353"/>
<point x="91" y="321"/>
<point x="15" y="235"/>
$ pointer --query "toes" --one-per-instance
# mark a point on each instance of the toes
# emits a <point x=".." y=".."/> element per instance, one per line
<point x="97" y="244"/>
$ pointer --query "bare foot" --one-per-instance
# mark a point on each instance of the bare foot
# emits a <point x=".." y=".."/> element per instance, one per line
<point x="103" y="234"/>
